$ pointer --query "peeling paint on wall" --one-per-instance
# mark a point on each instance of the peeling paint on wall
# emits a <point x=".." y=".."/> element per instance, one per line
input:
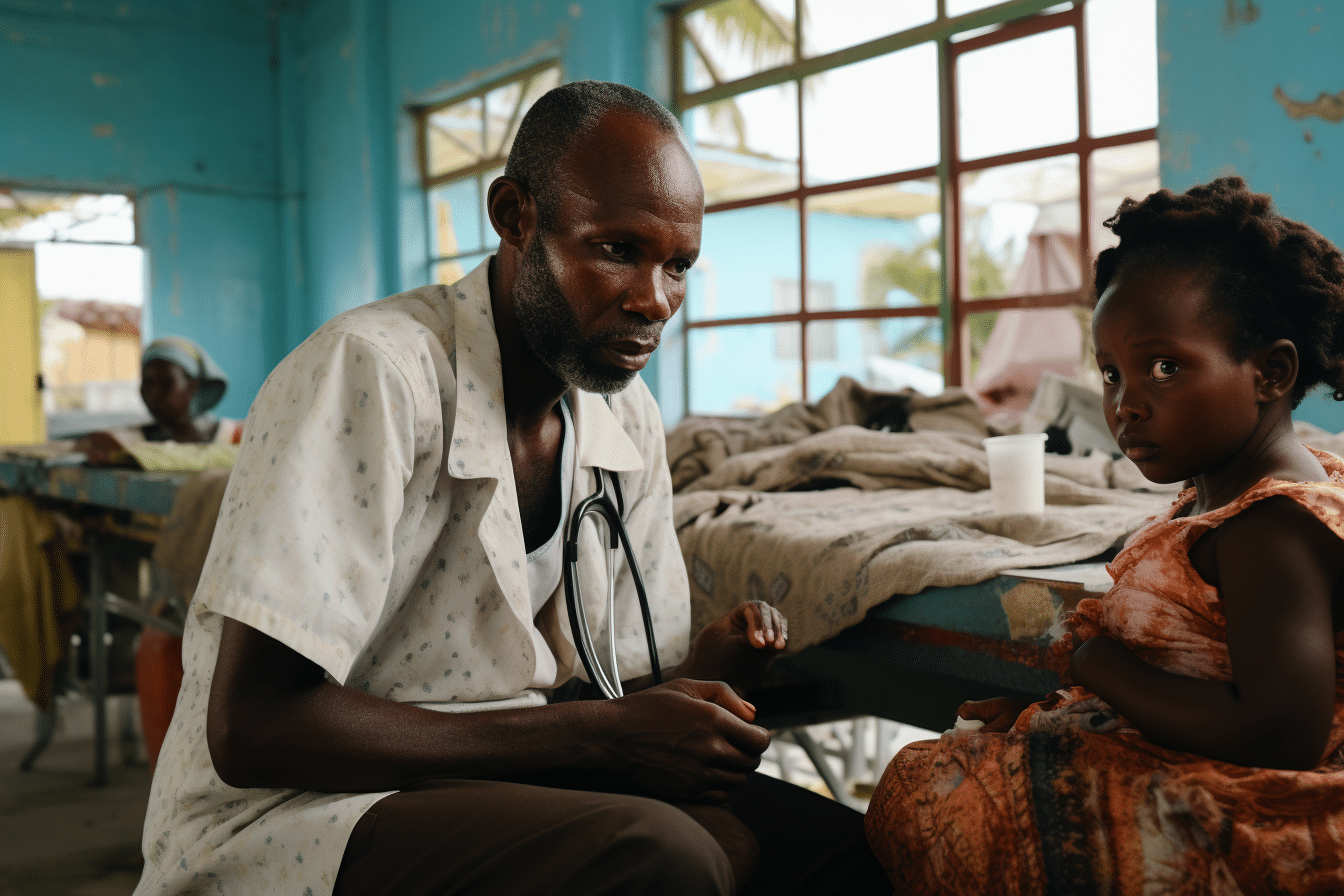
<point x="1178" y="159"/>
<point x="1330" y="108"/>
<point x="1237" y="13"/>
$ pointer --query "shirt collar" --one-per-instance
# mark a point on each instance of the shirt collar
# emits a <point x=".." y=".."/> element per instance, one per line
<point x="599" y="437"/>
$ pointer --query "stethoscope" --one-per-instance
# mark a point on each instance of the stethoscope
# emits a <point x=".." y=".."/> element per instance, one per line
<point x="601" y="503"/>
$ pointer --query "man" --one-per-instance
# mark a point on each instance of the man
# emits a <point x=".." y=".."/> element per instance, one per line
<point x="388" y="547"/>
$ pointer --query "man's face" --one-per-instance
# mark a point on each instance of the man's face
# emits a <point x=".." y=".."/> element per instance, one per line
<point x="595" y="288"/>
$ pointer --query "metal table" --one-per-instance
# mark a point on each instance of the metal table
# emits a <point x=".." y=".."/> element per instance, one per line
<point x="119" y="508"/>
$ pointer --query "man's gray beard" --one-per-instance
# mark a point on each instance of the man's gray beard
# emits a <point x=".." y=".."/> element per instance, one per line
<point x="550" y="328"/>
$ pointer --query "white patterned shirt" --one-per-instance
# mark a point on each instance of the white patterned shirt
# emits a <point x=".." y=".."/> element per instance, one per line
<point x="371" y="524"/>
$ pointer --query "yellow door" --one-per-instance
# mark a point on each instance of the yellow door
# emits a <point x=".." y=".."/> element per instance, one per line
<point x="21" y="418"/>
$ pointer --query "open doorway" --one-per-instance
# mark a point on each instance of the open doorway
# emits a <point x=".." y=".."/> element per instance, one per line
<point x="89" y="281"/>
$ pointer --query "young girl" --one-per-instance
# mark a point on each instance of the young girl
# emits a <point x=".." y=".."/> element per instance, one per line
<point x="1201" y="749"/>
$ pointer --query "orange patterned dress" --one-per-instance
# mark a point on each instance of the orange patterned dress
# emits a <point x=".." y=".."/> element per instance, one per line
<point x="1074" y="800"/>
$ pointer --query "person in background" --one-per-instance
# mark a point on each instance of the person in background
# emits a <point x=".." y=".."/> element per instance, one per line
<point x="179" y="384"/>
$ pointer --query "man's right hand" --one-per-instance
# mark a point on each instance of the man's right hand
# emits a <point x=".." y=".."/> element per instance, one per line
<point x="685" y="740"/>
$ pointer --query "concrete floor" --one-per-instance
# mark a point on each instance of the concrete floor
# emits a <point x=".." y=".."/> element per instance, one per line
<point x="59" y="834"/>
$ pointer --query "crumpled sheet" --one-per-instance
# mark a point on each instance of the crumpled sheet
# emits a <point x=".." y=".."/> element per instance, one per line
<point x="699" y="445"/>
<point x="841" y="520"/>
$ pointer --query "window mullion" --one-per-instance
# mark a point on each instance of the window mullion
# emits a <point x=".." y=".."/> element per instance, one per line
<point x="949" y="189"/>
<point x="802" y="246"/>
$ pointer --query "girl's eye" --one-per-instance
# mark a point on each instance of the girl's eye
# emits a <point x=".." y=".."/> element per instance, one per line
<point x="1110" y="376"/>
<point x="1164" y="370"/>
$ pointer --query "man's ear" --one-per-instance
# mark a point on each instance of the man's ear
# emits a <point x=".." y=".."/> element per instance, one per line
<point x="512" y="210"/>
<point x="1276" y="370"/>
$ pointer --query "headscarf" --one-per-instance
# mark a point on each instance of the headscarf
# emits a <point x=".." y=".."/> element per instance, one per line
<point x="210" y="377"/>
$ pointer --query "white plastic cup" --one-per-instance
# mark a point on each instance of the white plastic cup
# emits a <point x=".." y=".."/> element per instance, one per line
<point x="1017" y="472"/>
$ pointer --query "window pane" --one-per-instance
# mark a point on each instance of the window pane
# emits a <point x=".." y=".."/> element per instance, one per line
<point x="505" y="107"/>
<point x="735" y="38"/>
<point x="742" y="253"/>
<point x="1020" y="228"/>
<point x="830" y="25"/>
<point x="891" y="354"/>
<point x="1118" y="173"/>
<point x="734" y="370"/>
<point x="447" y="272"/>
<point x="501" y="105"/>
<point x="453" y="136"/>
<point x="747" y="145"/>
<point x="961" y="7"/>
<point x="1011" y="348"/>
<point x="846" y="139"/>
<point x="36" y="216"/>
<point x="1018" y="95"/>
<point x="1121" y="65"/>
<point x="879" y="245"/>
<point x="455" y="217"/>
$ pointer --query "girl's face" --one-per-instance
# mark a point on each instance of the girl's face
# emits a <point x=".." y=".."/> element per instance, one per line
<point x="1177" y="403"/>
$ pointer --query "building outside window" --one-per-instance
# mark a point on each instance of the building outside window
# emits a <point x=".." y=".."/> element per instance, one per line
<point x="89" y="279"/>
<point x="464" y="144"/>
<point x="929" y="176"/>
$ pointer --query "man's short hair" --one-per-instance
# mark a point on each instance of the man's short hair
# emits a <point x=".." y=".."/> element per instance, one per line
<point x="556" y="122"/>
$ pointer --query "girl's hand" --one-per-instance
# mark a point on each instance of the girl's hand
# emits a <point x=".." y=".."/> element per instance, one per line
<point x="739" y="648"/>
<point x="998" y="713"/>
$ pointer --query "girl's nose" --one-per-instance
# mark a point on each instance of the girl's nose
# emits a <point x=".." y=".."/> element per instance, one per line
<point x="1130" y="407"/>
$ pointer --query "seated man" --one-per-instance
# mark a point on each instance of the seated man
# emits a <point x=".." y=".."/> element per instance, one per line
<point x="381" y="614"/>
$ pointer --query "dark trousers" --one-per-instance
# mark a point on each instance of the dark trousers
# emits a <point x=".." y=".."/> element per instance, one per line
<point x="570" y="835"/>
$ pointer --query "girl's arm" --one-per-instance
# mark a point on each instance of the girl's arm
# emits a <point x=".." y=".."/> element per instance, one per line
<point x="1276" y="567"/>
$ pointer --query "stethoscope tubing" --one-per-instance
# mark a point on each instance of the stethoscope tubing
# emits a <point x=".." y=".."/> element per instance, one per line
<point x="601" y="503"/>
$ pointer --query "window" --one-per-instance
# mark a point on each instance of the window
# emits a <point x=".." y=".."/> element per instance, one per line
<point x="907" y="193"/>
<point x="90" y="284"/>
<point x="464" y="144"/>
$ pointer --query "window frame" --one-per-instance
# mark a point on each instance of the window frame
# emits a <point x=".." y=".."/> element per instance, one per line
<point x="422" y="114"/>
<point x="998" y="24"/>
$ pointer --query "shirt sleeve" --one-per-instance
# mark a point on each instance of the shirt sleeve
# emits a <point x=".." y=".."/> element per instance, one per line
<point x="303" y="549"/>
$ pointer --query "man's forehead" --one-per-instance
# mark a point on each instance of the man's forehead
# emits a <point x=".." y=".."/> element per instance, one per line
<point x="633" y="150"/>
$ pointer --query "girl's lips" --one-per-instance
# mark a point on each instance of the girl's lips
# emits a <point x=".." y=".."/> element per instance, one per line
<point x="1141" y="453"/>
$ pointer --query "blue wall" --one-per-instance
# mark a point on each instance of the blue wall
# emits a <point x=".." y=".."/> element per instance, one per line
<point x="173" y="101"/>
<point x="350" y="71"/>
<point x="1221" y="62"/>
<point x="268" y="144"/>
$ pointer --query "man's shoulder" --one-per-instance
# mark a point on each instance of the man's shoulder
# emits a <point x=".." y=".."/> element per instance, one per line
<point x="396" y="322"/>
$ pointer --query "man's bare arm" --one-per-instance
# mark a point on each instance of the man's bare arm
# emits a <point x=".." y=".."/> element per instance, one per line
<point x="276" y="721"/>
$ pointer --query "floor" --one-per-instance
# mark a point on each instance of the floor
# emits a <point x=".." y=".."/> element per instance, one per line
<point x="59" y="834"/>
<point x="62" y="836"/>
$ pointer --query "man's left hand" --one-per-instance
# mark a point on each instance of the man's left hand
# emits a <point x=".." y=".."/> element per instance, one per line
<point x="738" y="648"/>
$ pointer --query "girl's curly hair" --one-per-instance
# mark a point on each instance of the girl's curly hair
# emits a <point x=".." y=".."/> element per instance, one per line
<point x="1273" y="278"/>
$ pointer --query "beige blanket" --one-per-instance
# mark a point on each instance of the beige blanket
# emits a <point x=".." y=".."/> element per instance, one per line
<point x="698" y="445"/>
<point x="913" y="511"/>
